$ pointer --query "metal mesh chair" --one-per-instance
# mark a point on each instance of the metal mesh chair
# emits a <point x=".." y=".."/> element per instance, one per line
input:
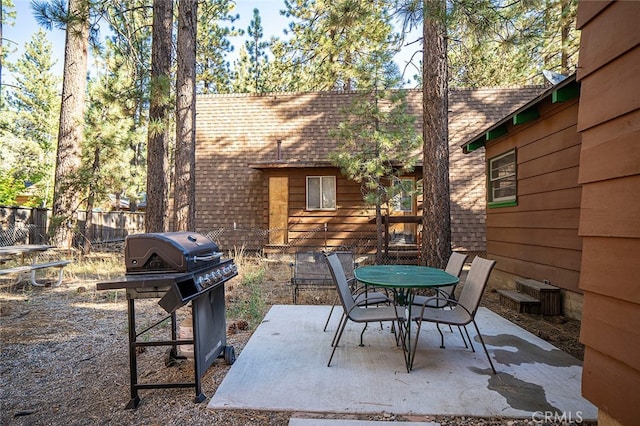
<point x="363" y="295"/>
<point x="463" y="310"/>
<point x="354" y="312"/>
<point x="454" y="267"/>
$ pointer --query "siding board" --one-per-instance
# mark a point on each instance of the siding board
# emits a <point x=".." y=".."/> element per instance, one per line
<point x="611" y="328"/>
<point x="603" y="44"/>
<point x="556" y="180"/>
<point x="559" y="160"/>
<point x="611" y="208"/>
<point x="612" y="386"/>
<point x="616" y="158"/>
<point x="560" y="219"/>
<point x="611" y="97"/>
<point x="558" y="238"/>
<point x="607" y="265"/>
<point x="560" y="277"/>
<point x="542" y="255"/>
<point x="568" y="198"/>
<point x="589" y="9"/>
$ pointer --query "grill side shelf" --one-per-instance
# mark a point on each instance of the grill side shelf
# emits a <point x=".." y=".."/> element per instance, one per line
<point x="142" y="281"/>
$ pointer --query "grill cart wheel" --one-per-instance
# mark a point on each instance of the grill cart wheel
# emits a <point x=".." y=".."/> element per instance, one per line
<point x="229" y="355"/>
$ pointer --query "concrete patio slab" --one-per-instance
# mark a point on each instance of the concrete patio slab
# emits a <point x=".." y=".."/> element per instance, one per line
<point x="283" y="367"/>
<point x="339" y="422"/>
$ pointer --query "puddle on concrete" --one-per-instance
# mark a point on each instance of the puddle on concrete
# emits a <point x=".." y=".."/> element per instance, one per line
<point x="527" y="352"/>
<point x="519" y="394"/>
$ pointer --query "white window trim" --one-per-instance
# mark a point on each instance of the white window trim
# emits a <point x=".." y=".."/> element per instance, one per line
<point x="492" y="198"/>
<point x="397" y="199"/>
<point x="322" y="183"/>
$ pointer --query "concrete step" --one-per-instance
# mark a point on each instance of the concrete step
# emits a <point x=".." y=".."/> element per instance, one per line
<point x="519" y="301"/>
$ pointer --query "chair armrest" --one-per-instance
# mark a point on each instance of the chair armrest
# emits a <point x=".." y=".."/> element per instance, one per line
<point x="446" y="301"/>
<point x="364" y="288"/>
<point x="438" y="299"/>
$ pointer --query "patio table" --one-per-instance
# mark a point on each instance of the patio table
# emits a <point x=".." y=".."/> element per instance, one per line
<point x="403" y="280"/>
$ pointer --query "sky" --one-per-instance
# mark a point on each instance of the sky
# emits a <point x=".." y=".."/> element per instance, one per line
<point x="273" y="23"/>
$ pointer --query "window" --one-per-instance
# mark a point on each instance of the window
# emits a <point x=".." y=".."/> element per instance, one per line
<point x="321" y="192"/>
<point x="502" y="179"/>
<point x="403" y="198"/>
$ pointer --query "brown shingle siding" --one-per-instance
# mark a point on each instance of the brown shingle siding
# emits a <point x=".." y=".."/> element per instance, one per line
<point x="235" y="131"/>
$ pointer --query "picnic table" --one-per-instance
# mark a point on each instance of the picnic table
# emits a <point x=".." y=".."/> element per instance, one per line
<point x="21" y="254"/>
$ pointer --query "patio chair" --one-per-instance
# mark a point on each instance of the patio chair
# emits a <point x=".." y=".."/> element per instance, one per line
<point x="354" y="312"/>
<point x="463" y="310"/>
<point x="362" y="295"/>
<point x="454" y="267"/>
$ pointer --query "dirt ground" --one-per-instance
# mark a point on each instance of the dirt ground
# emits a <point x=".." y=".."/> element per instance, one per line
<point x="64" y="357"/>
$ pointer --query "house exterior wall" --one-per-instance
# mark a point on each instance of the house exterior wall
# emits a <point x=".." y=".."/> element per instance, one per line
<point x="349" y="226"/>
<point x="538" y="237"/>
<point x="609" y="121"/>
<point x="235" y="131"/>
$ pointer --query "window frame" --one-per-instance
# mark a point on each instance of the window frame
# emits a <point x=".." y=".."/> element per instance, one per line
<point x="404" y="194"/>
<point x="504" y="201"/>
<point x="321" y="186"/>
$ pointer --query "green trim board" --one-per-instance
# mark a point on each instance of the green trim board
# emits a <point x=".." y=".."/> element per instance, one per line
<point x="473" y="145"/>
<point x="570" y="91"/>
<point x="498" y="204"/>
<point x="496" y="133"/>
<point x="525" y="116"/>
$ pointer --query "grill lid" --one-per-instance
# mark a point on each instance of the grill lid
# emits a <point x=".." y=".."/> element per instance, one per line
<point x="169" y="252"/>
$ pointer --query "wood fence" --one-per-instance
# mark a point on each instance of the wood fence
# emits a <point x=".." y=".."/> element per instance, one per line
<point x="32" y="224"/>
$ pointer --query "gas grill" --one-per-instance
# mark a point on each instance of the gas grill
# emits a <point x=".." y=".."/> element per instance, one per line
<point x="178" y="268"/>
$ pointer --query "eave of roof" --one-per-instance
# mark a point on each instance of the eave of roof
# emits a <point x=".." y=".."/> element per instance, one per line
<point x="567" y="86"/>
<point x="294" y="164"/>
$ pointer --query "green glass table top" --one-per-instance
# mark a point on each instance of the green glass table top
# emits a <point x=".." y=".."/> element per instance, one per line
<point x="404" y="276"/>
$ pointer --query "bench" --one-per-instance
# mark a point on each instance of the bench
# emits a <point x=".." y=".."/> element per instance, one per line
<point x="309" y="270"/>
<point x="60" y="264"/>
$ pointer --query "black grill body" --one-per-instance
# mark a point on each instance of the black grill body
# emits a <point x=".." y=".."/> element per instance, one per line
<point x="169" y="252"/>
<point x="177" y="268"/>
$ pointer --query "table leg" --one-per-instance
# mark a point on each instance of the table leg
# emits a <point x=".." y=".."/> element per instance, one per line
<point x="404" y="297"/>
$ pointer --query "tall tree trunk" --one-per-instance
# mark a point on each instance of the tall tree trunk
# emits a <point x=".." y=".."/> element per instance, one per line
<point x="70" y="133"/>
<point x="156" y="216"/>
<point x="436" y="220"/>
<point x="565" y="31"/>
<point x="185" y="187"/>
<point x="88" y="224"/>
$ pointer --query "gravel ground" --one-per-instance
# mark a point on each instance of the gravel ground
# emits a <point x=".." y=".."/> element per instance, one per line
<point x="63" y="356"/>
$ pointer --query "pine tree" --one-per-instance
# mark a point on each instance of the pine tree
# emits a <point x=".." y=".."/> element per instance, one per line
<point x="184" y="195"/>
<point x="75" y="18"/>
<point x="32" y="115"/>
<point x="213" y="70"/>
<point x="156" y="217"/>
<point x="436" y="216"/>
<point x="107" y="163"/>
<point x="329" y="38"/>
<point x="376" y="140"/>
<point x="256" y="51"/>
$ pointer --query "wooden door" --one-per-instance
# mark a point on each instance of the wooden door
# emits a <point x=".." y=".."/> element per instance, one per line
<point x="278" y="209"/>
